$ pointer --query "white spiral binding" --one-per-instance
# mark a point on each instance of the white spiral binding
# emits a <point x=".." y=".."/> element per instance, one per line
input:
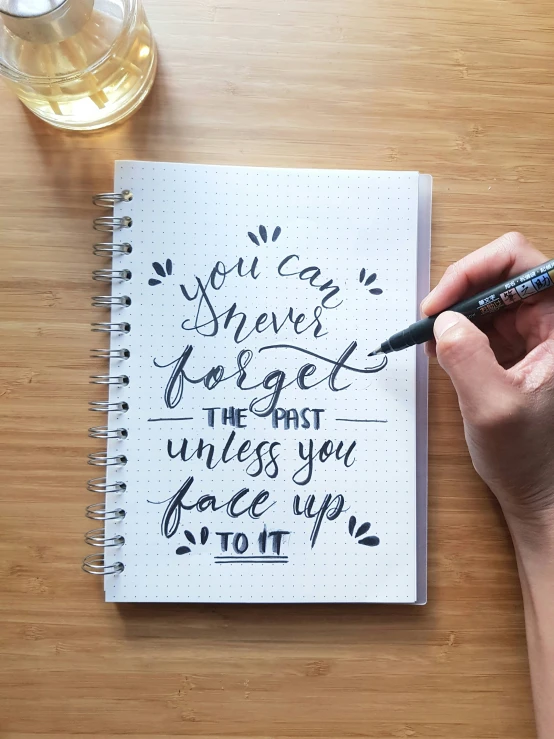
<point x="95" y="564"/>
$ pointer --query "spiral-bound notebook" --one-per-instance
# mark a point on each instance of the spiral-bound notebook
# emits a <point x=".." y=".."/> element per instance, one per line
<point x="255" y="452"/>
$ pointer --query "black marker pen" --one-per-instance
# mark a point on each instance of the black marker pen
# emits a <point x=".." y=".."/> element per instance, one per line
<point x="489" y="301"/>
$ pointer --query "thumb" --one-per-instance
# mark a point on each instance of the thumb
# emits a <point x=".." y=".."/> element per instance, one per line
<point x="464" y="352"/>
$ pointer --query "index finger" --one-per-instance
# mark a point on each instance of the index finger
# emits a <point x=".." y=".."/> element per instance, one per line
<point x="505" y="257"/>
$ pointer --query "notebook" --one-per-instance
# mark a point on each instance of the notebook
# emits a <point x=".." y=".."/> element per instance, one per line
<point x="253" y="451"/>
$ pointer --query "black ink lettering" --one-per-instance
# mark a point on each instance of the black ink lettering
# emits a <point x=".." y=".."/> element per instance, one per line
<point x="228" y="416"/>
<point x="277" y="415"/>
<point x="240" y="543"/>
<point x="333" y="291"/>
<point x="187" y="296"/>
<point x="250" y="271"/>
<point x="277" y="537"/>
<point x="216" y="280"/>
<point x="260" y="499"/>
<point x="275" y="381"/>
<point x="325" y="452"/>
<point x="284" y="262"/>
<point x="233" y="502"/>
<point x="214" y="377"/>
<point x="305" y="371"/>
<point x="204" y="503"/>
<point x="347" y="454"/>
<point x="309" y="466"/>
<point x="330" y="508"/>
<point x="172" y="515"/>
<point x="171" y="518"/>
<point x="170" y="449"/>
<point x="316" y="412"/>
<point x="211" y="415"/>
<point x="271" y="469"/>
<point x="310" y="274"/>
<point x="228" y="444"/>
<point x="224" y="539"/>
<point x="291" y="417"/>
<point x="262" y="540"/>
<point x="242" y="455"/>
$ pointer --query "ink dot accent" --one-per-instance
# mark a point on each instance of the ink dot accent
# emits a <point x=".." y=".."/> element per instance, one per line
<point x="366" y="282"/>
<point x="159" y="270"/>
<point x="367" y="541"/>
<point x="191" y="538"/>
<point x="262" y="231"/>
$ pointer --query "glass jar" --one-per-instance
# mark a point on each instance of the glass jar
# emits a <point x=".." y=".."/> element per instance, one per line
<point x="78" y="64"/>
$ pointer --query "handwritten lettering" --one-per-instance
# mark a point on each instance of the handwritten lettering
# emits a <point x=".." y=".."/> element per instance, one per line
<point x="330" y="509"/>
<point x="311" y="274"/>
<point x="275" y="381"/>
<point x="325" y="452"/>
<point x="176" y="505"/>
<point x="206" y="451"/>
<point x="295" y="418"/>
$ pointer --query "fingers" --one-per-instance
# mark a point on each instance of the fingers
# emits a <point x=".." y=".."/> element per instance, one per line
<point x="509" y="255"/>
<point x="464" y="352"/>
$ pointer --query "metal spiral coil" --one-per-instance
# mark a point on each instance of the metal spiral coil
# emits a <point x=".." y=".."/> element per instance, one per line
<point x="98" y="512"/>
<point x="121" y="380"/>
<point x="109" y="275"/>
<point x="109" y="199"/>
<point x="98" y="538"/>
<point x="110" y="354"/>
<point x="101" y="459"/>
<point x="122" y="328"/>
<point x="109" y="224"/>
<point x="108" y="248"/>
<point x="104" y="406"/>
<point x="101" y="486"/>
<point x="103" y="432"/>
<point x="94" y="565"/>
<point x="110" y="301"/>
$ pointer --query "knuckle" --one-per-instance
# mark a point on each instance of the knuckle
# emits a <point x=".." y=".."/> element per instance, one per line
<point x="495" y="417"/>
<point x="515" y="240"/>
<point x="452" y="269"/>
<point x="450" y="347"/>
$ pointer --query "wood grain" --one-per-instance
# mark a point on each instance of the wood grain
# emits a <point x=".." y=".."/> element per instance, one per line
<point x="463" y="90"/>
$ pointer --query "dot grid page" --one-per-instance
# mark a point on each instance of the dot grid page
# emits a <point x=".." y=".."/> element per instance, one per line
<point x="269" y="458"/>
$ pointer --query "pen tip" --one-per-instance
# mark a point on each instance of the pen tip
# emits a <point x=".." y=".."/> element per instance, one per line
<point x="375" y="351"/>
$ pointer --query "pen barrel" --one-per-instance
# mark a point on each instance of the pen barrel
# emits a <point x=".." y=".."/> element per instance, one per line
<point x="417" y="333"/>
<point x="504" y="295"/>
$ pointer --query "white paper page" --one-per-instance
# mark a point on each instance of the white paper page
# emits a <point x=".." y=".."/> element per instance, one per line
<point x="272" y="285"/>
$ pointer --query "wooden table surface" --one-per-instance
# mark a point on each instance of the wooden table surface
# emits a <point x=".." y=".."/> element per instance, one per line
<point x="463" y="90"/>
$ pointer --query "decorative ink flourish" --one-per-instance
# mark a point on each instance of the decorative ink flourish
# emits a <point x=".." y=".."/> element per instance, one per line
<point x="262" y="230"/>
<point x="204" y="534"/>
<point x="366" y="541"/>
<point x="367" y="282"/>
<point x="159" y="270"/>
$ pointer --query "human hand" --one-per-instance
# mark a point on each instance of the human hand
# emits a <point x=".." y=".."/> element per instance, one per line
<point x="504" y="380"/>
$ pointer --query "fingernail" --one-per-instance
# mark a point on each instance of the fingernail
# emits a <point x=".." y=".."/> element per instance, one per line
<point x="424" y="302"/>
<point x="444" y="322"/>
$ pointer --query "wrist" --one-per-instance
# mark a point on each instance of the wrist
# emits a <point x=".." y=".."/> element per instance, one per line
<point x="534" y="546"/>
<point x="533" y="538"/>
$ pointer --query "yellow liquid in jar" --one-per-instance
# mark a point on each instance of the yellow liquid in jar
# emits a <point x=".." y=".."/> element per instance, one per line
<point x="105" y="92"/>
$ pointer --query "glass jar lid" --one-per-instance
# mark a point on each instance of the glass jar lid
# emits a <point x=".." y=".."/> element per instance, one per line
<point x="45" y="21"/>
<point x="29" y="8"/>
